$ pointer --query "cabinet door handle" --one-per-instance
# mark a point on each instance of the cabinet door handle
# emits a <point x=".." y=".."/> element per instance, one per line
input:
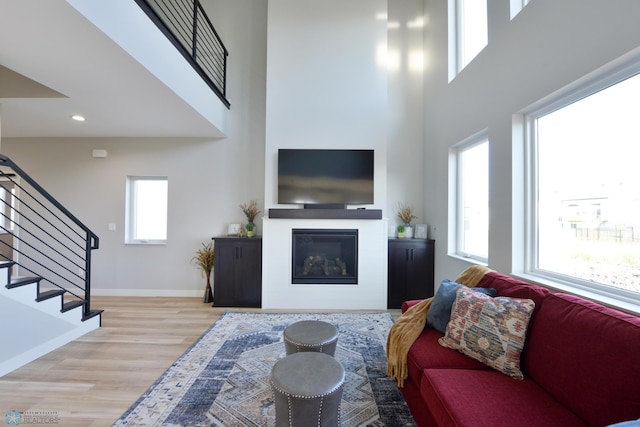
<point x="409" y="255"/>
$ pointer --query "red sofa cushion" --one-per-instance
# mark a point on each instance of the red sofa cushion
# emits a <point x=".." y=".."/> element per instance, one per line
<point x="477" y="398"/>
<point x="419" y="410"/>
<point x="587" y="356"/>
<point x="406" y="305"/>
<point x="426" y="353"/>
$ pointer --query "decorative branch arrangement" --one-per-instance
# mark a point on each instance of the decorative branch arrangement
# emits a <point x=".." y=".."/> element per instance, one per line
<point x="405" y="213"/>
<point x="204" y="261"/>
<point x="250" y="210"/>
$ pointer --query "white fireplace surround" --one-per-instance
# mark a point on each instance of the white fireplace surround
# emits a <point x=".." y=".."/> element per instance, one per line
<point x="279" y="293"/>
<point x="344" y="106"/>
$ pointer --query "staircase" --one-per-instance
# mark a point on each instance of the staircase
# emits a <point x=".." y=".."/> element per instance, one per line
<point x="45" y="271"/>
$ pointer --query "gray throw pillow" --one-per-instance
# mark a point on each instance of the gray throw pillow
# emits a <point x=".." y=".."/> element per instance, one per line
<point x="440" y="311"/>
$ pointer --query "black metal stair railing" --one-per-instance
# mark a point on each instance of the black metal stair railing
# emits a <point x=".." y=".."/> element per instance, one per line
<point x="187" y="26"/>
<point x="41" y="238"/>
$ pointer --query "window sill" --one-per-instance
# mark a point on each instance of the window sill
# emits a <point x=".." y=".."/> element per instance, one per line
<point x="628" y="306"/>
<point x="469" y="259"/>
<point x="146" y="243"/>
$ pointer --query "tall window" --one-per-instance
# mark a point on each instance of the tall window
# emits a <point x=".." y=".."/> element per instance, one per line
<point x="147" y="199"/>
<point x="516" y="6"/>
<point x="470" y="30"/>
<point x="585" y="194"/>
<point x="472" y="198"/>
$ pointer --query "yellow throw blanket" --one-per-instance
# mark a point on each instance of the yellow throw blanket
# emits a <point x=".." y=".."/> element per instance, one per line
<point x="410" y="325"/>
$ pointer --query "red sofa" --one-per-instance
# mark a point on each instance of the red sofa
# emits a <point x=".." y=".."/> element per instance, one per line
<point x="581" y="366"/>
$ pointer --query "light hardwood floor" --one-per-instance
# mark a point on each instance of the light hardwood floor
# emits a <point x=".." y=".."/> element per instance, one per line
<point x="92" y="381"/>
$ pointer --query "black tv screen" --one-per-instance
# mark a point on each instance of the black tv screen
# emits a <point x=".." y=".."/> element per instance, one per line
<point x="325" y="177"/>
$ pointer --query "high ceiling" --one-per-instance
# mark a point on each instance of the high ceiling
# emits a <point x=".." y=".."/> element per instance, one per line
<point x="54" y="63"/>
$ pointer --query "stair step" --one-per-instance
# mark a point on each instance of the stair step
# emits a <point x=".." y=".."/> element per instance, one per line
<point x="72" y="304"/>
<point x="15" y="283"/>
<point x="49" y="294"/>
<point x="91" y="314"/>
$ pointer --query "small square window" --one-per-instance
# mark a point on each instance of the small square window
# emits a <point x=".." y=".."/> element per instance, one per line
<point x="147" y="201"/>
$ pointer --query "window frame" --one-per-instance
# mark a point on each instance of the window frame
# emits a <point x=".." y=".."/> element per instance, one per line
<point x="457" y="214"/>
<point x="130" y="211"/>
<point x="609" y="75"/>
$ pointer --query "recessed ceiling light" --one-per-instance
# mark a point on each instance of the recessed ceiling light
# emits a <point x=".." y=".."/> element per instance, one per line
<point x="78" y="118"/>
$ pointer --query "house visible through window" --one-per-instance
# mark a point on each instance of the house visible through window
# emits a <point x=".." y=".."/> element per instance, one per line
<point x="472" y="198"/>
<point x="147" y="199"/>
<point x="585" y="201"/>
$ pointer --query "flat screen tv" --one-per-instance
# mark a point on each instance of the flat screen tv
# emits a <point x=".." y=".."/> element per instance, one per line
<point x="325" y="178"/>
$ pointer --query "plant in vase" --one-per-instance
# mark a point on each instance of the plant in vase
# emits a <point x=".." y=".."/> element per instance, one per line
<point x="250" y="210"/>
<point x="405" y="213"/>
<point x="204" y="261"/>
<point x="400" y="230"/>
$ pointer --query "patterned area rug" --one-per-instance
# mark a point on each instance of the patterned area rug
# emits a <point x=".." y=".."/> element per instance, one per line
<point x="223" y="379"/>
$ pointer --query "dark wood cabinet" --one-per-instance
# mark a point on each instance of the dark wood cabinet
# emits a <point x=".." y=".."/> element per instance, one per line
<point x="237" y="272"/>
<point x="410" y="270"/>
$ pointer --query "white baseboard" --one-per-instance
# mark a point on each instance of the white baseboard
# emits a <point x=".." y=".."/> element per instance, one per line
<point x="181" y="293"/>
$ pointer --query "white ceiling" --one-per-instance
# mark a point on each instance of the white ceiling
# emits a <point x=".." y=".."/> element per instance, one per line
<point x="54" y="63"/>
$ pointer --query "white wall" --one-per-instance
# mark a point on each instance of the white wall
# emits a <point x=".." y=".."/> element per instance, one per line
<point x="94" y="190"/>
<point x="208" y="178"/>
<point x="325" y="89"/>
<point x="546" y="47"/>
<point x="405" y="109"/>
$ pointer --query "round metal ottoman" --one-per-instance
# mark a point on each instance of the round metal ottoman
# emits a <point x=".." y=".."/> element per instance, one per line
<point x="307" y="390"/>
<point x="310" y="335"/>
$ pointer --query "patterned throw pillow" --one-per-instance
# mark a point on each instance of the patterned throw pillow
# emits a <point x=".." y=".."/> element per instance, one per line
<point x="490" y="330"/>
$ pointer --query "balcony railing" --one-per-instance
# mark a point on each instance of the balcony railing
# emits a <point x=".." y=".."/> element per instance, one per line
<point x="188" y="27"/>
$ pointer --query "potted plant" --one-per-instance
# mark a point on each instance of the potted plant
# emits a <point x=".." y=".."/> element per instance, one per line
<point x="250" y="211"/>
<point x="250" y="227"/>
<point x="400" y="230"/>
<point x="204" y="261"/>
<point x="405" y="213"/>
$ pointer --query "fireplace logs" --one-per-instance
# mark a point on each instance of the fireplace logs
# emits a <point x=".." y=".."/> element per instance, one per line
<point x="317" y="265"/>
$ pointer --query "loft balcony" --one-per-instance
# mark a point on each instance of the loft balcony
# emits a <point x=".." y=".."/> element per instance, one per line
<point x="187" y="26"/>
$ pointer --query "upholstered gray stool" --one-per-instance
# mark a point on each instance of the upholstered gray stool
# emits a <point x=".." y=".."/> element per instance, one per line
<point x="307" y="390"/>
<point x="310" y="335"/>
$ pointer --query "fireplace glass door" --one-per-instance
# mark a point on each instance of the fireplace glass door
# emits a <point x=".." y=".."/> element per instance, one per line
<point x="322" y="256"/>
